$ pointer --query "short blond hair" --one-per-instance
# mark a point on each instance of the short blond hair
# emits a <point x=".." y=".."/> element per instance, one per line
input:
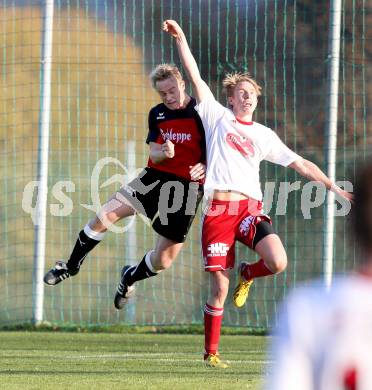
<point x="231" y="80"/>
<point x="163" y="72"/>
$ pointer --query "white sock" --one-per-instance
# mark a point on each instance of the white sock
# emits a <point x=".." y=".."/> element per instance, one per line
<point x="92" y="234"/>
<point x="149" y="264"/>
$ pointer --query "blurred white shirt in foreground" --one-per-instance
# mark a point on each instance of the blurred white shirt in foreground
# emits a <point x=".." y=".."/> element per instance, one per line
<point x="324" y="339"/>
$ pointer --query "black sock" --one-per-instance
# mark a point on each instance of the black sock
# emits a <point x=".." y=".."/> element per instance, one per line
<point x="139" y="272"/>
<point x="83" y="246"/>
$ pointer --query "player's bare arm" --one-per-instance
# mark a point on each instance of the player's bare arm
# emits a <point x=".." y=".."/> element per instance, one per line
<point x="161" y="152"/>
<point x="200" y="88"/>
<point x="312" y="172"/>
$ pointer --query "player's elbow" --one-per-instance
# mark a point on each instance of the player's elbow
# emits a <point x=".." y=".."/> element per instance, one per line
<point x="301" y="166"/>
<point x="156" y="158"/>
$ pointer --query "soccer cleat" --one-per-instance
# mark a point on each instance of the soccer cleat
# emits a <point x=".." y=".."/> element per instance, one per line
<point x="213" y="361"/>
<point x="242" y="289"/>
<point x="123" y="292"/>
<point x="59" y="273"/>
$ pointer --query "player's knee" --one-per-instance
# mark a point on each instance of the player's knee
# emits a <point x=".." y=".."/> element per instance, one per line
<point x="220" y="292"/>
<point x="279" y="263"/>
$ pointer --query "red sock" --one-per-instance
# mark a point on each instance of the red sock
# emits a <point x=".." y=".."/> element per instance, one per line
<point x="212" y="328"/>
<point x="256" y="270"/>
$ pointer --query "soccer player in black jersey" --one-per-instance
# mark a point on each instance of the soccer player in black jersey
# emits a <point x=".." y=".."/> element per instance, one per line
<point x="174" y="174"/>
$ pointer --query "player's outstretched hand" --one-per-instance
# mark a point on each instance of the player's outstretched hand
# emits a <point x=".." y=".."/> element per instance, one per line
<point x="347" y="195"/>
<point x="168" y="148"/>
<point x="172" y="28"/>
<point x="344" y="194"/>
<point x="197" y="171"/>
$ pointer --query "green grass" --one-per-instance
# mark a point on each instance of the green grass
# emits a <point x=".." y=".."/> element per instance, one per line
<point x="46" y="326"/>
<point x="47" y="360"/>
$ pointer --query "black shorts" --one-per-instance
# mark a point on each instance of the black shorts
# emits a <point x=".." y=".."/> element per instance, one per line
<point x="167" y="200"/>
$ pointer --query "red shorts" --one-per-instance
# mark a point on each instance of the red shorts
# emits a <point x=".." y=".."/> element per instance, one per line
<point x="224" y="223"/>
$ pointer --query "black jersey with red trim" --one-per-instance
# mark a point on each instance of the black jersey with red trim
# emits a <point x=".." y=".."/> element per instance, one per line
<point x="184" y="128"/>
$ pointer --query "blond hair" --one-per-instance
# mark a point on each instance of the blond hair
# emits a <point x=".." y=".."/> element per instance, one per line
<point x="163" y="72"/>
<point x="231" y="80"/>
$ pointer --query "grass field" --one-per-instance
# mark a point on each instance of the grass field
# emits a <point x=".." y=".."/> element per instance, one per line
<point x="46" y="360"/>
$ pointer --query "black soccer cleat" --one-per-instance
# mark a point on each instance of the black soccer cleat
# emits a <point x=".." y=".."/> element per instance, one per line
<point x="59" y="273"/>
<point x="123" y="292"/>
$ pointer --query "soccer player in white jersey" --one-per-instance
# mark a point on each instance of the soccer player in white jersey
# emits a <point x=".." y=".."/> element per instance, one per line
<point x="235" y="147"/>
<point x="324" y="338"/>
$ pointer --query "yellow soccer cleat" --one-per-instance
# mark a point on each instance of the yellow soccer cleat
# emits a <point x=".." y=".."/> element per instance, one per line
<point x="242" y="289"/>
<point x="213" y="361"/>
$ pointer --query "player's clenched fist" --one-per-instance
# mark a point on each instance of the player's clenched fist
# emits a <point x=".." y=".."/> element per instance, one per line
<point x="172" y="27"/>
<point x="168" y="149"/>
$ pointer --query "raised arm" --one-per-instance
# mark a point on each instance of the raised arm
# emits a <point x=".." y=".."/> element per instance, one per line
<point x="200" y="88"/>
<point x="312" y="172"/>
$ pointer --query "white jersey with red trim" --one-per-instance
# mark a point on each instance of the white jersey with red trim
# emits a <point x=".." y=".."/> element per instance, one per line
<point x="324" y="338"/>
<point x="235" y="150"/>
